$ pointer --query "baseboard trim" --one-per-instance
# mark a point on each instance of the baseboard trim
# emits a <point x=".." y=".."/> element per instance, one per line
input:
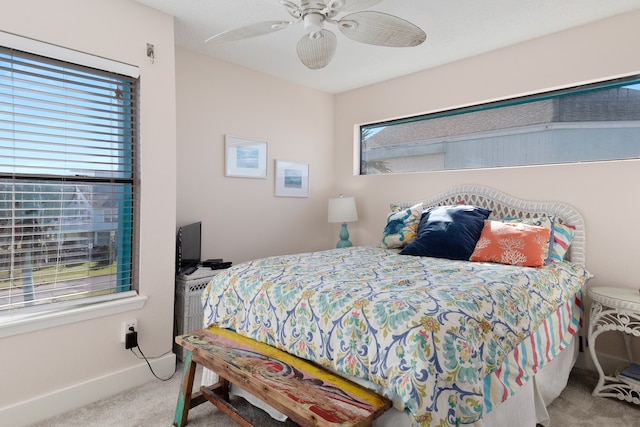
<point x="76" y="396"/>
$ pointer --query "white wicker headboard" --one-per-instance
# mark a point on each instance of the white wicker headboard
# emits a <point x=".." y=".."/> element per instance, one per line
<point x="505" y="205"/>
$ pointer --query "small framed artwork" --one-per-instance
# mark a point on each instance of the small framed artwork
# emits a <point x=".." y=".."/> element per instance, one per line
<point x="245" y="158"/>
<point x="292" y="179"/>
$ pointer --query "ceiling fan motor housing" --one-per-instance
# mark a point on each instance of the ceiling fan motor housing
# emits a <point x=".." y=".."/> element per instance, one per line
<point x="313" y="22"/>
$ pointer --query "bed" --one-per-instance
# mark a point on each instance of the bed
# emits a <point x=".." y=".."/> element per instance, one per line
<point x="450" y="341"/>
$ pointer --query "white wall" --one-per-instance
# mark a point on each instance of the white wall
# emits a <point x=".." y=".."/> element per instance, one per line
<point x="605" y="193"/>
<point x="53" y="369"/>
<point x="241" y="217"/>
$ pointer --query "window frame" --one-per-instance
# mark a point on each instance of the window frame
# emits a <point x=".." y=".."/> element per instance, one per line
<point x="577" y="89"/>
<point x="17" y="321"/>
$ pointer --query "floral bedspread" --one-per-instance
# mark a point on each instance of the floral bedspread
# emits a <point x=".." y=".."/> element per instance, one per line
<point x="426" y="330"/>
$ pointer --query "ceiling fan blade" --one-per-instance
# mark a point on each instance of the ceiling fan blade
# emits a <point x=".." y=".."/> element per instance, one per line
<point x="248" y="31"/>
<point x="381" y="29"/>
<point x="316" y="50"/>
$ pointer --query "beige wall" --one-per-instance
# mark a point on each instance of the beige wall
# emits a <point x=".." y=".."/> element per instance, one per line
<point x="241" y="217"/>
<point x="47" y="371"/>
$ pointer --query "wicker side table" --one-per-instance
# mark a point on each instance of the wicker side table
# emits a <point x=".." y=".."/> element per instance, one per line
<point x="188" y="309"/>
<point x="615" y="309"/>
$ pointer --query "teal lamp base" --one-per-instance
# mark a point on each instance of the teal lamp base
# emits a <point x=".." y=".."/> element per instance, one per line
<point x="344" y="237"/>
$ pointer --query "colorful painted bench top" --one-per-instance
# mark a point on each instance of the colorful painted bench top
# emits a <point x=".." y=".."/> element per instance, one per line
<point x="309" y="395"/>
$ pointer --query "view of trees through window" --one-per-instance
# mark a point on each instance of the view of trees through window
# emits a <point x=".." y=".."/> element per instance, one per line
<point x="67" y="146"/>
<point x="591" y="123"/>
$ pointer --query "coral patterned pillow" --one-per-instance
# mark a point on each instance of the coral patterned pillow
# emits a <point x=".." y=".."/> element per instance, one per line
<point x="541" y="221"/>
<point x="402" y="226"/>
<point x="512" y="243"/>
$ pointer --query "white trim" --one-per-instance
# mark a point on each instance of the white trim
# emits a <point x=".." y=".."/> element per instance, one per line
<point x="68" y="55"/>
<point x="14" y="323"/>
<point x="78" y="395"/>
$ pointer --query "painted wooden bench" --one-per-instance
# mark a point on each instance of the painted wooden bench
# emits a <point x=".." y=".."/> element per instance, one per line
<point x="309" y="395"/>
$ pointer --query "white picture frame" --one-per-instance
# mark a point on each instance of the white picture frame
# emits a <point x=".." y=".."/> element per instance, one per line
<point x="245" y="157"/>
<point x="292" y="179"/>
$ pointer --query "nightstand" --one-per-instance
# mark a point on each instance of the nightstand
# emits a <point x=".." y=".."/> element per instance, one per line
<point x="615" y="309"/>
<point x="188" y="308"/>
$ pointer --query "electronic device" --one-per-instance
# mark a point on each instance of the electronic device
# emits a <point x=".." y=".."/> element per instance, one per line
<point x="220" y="265"/>
<point x="189" y="270"/>
<point x="188" y="247"/>
<point x="211" y="261"/>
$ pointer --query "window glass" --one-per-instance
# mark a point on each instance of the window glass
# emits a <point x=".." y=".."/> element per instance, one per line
<point x="67" y="150"/>
<point x="591" y="123"/>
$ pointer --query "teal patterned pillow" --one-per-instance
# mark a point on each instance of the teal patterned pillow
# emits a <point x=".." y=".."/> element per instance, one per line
<point x="402" y="226"/>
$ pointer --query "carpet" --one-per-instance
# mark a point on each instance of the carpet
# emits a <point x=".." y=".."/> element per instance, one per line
<point x="153" y="405"/>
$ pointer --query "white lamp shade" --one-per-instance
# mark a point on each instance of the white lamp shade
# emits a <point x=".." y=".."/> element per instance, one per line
<point x="343" y="209"/>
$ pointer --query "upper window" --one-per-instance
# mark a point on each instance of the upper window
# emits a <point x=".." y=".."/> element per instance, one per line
<point x="581" y="124"/>
<point x="67" y="181"/>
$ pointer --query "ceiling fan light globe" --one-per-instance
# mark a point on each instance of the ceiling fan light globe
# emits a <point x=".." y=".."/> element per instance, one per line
<point x="316" y="52"/>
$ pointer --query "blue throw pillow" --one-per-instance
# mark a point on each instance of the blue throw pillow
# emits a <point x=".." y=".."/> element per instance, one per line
<point x="448" y="232"/>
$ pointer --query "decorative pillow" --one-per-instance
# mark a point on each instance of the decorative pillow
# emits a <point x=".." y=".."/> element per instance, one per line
<point x="396" y="208"/>
<point x="448" y="232"/>
<point x="402" y="226"/>
<point x="540" y="221"/>
<point x="562" y="237"/>
<point x="513" y="243"/>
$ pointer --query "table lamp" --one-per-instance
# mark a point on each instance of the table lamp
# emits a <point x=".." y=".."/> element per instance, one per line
<point x="343" y="209"/>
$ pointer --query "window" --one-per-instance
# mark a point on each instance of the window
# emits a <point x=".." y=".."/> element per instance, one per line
<point x="582" y="124"/>
<point x="67" y="180"/>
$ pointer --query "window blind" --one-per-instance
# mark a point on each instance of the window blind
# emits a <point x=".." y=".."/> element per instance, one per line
<point x="67" y="180"/>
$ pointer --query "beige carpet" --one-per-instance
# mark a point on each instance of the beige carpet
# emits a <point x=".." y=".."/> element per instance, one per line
<point x="153" y="405"/>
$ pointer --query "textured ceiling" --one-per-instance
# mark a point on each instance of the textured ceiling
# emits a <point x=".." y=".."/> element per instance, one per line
<point x="455" y="29"/>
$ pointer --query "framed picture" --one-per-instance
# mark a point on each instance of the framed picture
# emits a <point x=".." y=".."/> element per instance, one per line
<point x="246" y="158"/>
<point x="292" y="179"/>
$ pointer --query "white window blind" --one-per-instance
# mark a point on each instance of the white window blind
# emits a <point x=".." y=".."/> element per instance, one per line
<point x="67" y="180"/>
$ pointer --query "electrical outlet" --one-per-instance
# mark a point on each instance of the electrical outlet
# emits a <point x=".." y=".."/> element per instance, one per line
<point x="132" y="323"/>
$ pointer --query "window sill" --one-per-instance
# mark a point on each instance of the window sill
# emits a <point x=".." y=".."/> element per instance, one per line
<point x="18" y="323"/>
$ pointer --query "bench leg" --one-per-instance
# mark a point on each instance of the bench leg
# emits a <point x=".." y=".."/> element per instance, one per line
<point x="219" y="396"/>
<point x="184" y="398"/>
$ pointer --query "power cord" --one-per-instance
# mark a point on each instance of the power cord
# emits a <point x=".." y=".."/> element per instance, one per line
<point x="149" y="365"/>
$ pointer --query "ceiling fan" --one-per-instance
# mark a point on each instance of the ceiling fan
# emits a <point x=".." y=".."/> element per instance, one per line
<point x="316" y="48"/>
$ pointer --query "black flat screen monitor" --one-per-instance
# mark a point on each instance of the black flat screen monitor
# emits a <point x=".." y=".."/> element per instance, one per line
<point x="188" y="246"/>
